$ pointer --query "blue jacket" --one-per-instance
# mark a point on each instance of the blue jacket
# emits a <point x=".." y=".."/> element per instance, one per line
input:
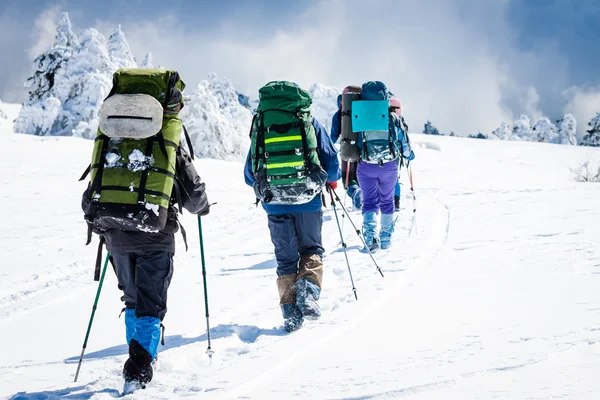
<point x="328" y="156"/>
<point x="336" y="126"/>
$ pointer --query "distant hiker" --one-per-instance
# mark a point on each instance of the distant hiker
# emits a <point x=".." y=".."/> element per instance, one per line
<point x="290" y="160"/>
<point x="396" y="108"/>
<point x="141" y="177"/>
<point x="349" y="158"/>
<point x="382" y="144"/>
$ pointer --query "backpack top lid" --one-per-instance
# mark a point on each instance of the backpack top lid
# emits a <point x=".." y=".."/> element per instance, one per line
<point x="158" y="83"/>
<point x="374" y="90"/>
<point x="283" y="96"/>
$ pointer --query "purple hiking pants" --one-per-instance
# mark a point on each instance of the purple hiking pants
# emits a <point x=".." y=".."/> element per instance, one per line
<point x="377" y="184"/>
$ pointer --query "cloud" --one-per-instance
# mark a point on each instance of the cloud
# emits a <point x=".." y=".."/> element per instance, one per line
<point x="44" y="31"/>
<point x="456" y="62"/>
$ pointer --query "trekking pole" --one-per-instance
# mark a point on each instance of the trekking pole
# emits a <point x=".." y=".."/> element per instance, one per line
<point x="89" y="328"/>
<point x="343" y="243"/>
<point x="358" y="232"/>
<point x="346" y="192"/>
<point x="209" y="350"/>
<point x="412" y="190"/>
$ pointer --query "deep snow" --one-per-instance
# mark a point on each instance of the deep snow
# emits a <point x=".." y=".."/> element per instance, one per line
<point x="495" y="296"/>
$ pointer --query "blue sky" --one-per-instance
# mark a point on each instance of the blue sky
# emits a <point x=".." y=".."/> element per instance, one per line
<point x="465" y="64"/>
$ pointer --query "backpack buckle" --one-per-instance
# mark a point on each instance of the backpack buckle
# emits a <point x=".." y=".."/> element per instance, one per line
<point x="299" y="151"/>
<point x="269" y="177"/>
<point x="266" y="154"/>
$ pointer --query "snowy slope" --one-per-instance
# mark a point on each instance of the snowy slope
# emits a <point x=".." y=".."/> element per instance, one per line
<point x="495" y="296"/>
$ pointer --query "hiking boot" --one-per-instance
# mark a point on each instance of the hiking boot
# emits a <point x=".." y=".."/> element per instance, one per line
<point x="307" y="297"/>
<point x="138" y="367"/>
<point x="369" y="230"/>
<point x="387" y="228"/>
<point x="292" y="317"/>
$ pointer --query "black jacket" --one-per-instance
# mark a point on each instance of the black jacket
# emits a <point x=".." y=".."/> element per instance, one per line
<point x="193" y="199"/>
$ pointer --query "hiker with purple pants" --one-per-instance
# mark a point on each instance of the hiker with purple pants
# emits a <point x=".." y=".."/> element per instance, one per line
<point x="377" y="171"/>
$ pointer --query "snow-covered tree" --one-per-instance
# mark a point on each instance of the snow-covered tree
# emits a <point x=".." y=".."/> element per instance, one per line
<point x="593" y="134"/>
<point x="39" y="117"/>
<point x="2" y="113"/>
<point x="87" y="82"/>
<point x="47" y="64"/>
<point x="567" y="126"/>
<point x="430" y="129"/>
<point x="504" y="132"/>
<point x="147" y="63"/>
<point x="119" y="51"/>
<point x="545" y="131"/>
<point x="216" y="121"/>
<point x="324" y="103"/>
<point x="521" y="129"/>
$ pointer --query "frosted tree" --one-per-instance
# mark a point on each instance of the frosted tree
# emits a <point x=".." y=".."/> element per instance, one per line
<point x="430" y="129"/>
<point x="118" y="50"/>
<point x="39" y="117"/>
<point x="324" y="103"/>
<point x="521" y="129"/>
<point x="147" y="63"/>
<point x="593" y="134"/>
<point x="504" y="132"/>
<point x="2" y="113"/>
<point x="87" y="81"/>
<point x="47" y="64"/>
<point x="545" y="131"/>
<point x="217" y="123"/>
<point x="567" y="130"/>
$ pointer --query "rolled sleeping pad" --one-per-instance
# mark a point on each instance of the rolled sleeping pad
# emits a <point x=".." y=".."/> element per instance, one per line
<point x="348" y="147"/>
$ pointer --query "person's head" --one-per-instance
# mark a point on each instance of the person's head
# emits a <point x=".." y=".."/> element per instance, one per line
<point x="339" y="101"/>
<point x="396" y="106"/>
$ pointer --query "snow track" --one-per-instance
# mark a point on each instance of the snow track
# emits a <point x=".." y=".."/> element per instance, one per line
<point x="494" y="295"/>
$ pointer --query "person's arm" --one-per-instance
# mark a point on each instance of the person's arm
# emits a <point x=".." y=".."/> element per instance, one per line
<point x="336" y="127"/>
<point x="248" y="175"/>
<point x="328" y="154"/>
<point x="402" y="133"/>
<point x="192" y="189"/>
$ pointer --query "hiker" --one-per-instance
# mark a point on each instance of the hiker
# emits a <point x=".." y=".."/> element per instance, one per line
<point x="291" y="159"/>
<point x="396" y="108"/>
<point x="349" y="179"/>
<point x="138" y="224"/>
<point x="382" y="148"/>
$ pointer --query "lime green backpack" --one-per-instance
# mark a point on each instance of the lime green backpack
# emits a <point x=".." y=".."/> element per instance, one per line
<point x="284" y="155"/>
<point x="134" y="158"/>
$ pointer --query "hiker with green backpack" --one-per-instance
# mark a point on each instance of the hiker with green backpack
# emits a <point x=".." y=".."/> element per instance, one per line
<point x="141" y="178"/>
<point x="290" y="161"/>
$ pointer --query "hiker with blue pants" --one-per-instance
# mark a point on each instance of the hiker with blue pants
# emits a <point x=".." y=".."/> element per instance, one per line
<point x="295" y="225"/>
<point x="378" y="173"/>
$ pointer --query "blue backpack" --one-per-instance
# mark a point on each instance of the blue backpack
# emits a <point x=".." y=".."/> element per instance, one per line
<point x="371" y="117"/>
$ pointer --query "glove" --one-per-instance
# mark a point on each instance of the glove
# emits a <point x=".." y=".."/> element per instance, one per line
<point x="411" y="157"/>
<point x="332" y="185"/>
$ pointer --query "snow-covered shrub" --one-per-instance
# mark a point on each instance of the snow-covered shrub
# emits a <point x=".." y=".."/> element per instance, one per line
<point x="504" y="132"/>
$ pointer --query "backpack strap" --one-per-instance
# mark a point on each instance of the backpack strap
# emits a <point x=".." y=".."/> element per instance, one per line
<point x="97" y="183"/>
<point x="305" y="149"/>
<point x="144" y="177"/>
<point x="86" y="172"/>
<point x="391" y="128"/>
<point x="188" y="141"/>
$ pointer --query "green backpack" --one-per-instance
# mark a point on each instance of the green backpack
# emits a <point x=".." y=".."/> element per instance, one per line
<point x="284" y="155"/>
<point x="134" y="157"/>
